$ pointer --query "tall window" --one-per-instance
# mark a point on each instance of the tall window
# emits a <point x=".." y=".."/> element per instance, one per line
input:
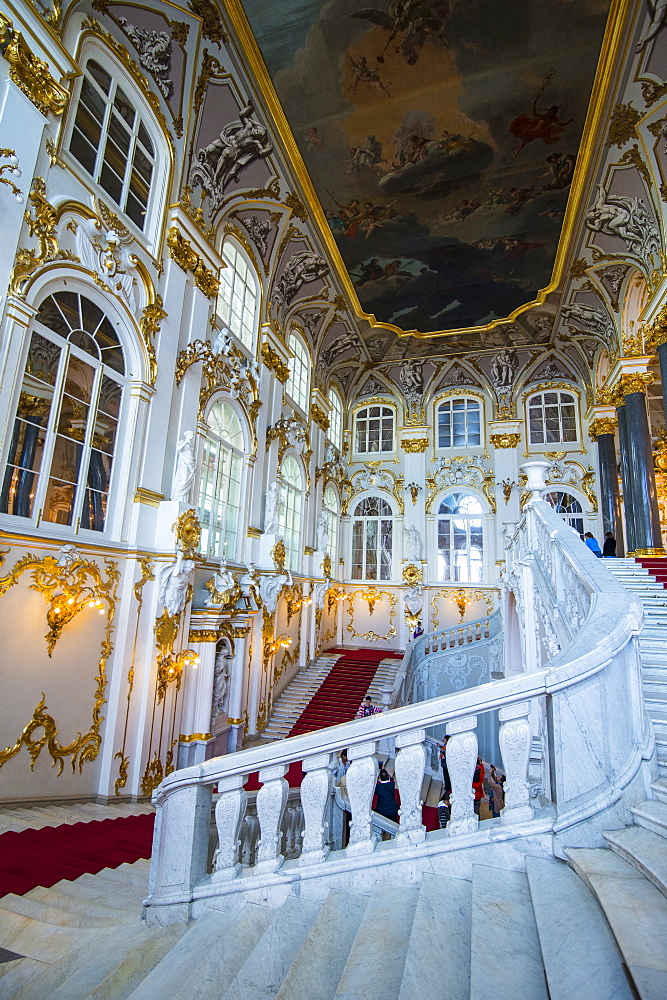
<point x="460" y="539"/>
<point x="372" y="536"/>
<point x="220" y="486"/>
<point x="297" y="384"/>
<point x="459" y="423"/>
<point x="238" y="295"/>
<point x="61" y="451"/>
<point x="290" y="510"/>
<point x="335" y="431"/>
<point x="374" y="429"/>
<point x="330" y="500"/>
<point x="568" y="507"/>
<point x="551" y="418"/>
<point x="111" y="142"/>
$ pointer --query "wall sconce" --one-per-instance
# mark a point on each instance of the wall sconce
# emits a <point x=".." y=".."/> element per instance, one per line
<point x="461" y="600"/>
<point x="371" y="596"/>
<point x="334" y="595"/>
<point x="170" y="670"/>
<point x="272" y="646"/>
<point x="12" y="167"/>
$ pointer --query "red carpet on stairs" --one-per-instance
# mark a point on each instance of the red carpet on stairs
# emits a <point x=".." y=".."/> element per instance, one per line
<point x="42" y="857"/>
<point x="657" y="568"/>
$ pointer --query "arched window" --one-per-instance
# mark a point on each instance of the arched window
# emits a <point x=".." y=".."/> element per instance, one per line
<point x="290" y="511"/>
<point x="460" y="539"/>
<point x="238" y="298"/>
<point x="372" y="536"/>
<point x="459" y="424"/>
<point x="297" y="383"/>
<point x="374" y="429"/>
<point x="551" y="418"/>
<point x="111" y="142"/>
<point x="60" y="457"/>
<point x="221" y="482"/>
<point x="335" y="432"/>
<point x="568" y="507"/>
<point x="330" y="501"/>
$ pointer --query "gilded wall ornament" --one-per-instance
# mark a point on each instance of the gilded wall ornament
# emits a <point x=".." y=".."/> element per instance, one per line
<point x="50" y="577"/>
<point x="504" y="440"/>
<point x="632" y="157"/>
<point x="278" y="556"/>
<point x="188" y="532"/>
<point x="11" y="167"/>
<point x="414" y="445"/>
<point x="319" y="416"/>
<point x="652" y="92"/>
<point x="622" y="124"/>
<point x="412" y="574"/>
<point x="291" y="432"/>
<point x="273" y="362"/>
<point x="371" y="595"/>
<point x="461" y="598"/>
<point x="180" y="250"/>
<point x="415" y="489"/>
<point x="507" y="485"/>
<point x="460" y="470"/>
<point x="197" y="215"/>
<point x="296" y="206"/>
<point x="30" y="74"/>
<point x="149" y="324"/>
<point x="211" y="24"/>
<point x="228" y="370"/>
<point x="42" y="224"/>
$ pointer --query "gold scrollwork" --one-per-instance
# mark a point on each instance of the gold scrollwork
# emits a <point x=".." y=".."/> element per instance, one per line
<point x="622" y="124"/>
<point x="86" y="746"/>
<point x="412" y="574"/>
<point x="319" y="417"/>
<point x="278" y="555"/>
<point x="188" y="532"/>
<point x="272" y="360"/>
<point x="180" y="250"/>
<point x="30" y="74"/>
<point x="149" y="324"/>
<point x="373" y="597"/>
<point x="504" y="440"/>
<point x="602" y="425"/>
<point x="414" y="445"/>
<point x="461" y="598"/>
<point x="42" y="224"/>
<point x="121" y="780"/>
<point x="196" y="214"/>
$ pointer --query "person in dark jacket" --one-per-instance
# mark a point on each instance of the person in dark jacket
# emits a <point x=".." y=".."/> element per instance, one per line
<point x="609" y="547"/>
<point x="446" y="782"/>
<point x="386" y="803"/>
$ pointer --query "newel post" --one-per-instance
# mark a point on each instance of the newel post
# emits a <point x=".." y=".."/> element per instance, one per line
<point x="409" y="768"/>
<point x="515" y="738"/>
<point x="360" y="782"/>
<point x="461" y="760"/>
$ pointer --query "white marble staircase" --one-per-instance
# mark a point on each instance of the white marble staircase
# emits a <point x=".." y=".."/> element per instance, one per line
<point x="593" y="929"/>
<point x="652" y="643"/>
<point x="291" y="702"/>
<point x="35" y="817"/>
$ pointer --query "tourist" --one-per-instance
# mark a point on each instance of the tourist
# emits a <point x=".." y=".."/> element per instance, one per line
<point x="386" y="803"/>
<point x="496" y="782"/>
<point x="340" y="767"/>
<point x="446" y="781"/>
<point x="609" y="547"/>
<point x="478" y="784"/>
<point x="592" y="544"/>
<point x="367" y="708"/>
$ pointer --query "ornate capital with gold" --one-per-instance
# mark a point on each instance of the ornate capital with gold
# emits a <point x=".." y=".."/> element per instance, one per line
<point x="414" y="445"/>
<point x="504" y="440"/>
<point x="181" y="250"/>
<point x="188" y="532"/>
<point x="602" y="425"/>
<point x="319" y="416"/>
<point x="628" y="385"/>
<point x="274" y="363"/>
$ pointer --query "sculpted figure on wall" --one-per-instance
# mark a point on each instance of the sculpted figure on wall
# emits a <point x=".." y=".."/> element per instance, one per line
<point x="220" y="683"/>
<point x="174" y="584"/>
<point x="154" y="48"/>
<point x="503" y="369"/>
<point x="271" y="509"/>
<point x="303" y="267"/>
<point x="627" y="218"/>
<point x="322" y="532"/>
<point x="184" y="473"/>
<point x="413" y="544"/>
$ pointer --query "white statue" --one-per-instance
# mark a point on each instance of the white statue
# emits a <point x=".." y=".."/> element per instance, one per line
<point x="224" y="582"/>
<point x="414" y="599"/>
<point x="322" y="532"/>
<point x="270" y="589"/>
<point x="413" y="544"/>
<point x="658" y="12"/>
<point x="596" y="320"/>
<point x="174" y="582"/>
<point x="223" y="343"/>
<point x="627" y="218"/>
<point x="154" y="48"/>
<point x="220" y="683"/>
<point x="184" y="473"/>
<point x="249" y="582"/>
<point x="503" y="369"/>
<point x="271" y="509"/>
<point x="68" y="554"/>
<point x="302" y="268"/>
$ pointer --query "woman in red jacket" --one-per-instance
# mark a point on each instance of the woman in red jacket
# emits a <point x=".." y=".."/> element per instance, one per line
<point x="478" y="784"/>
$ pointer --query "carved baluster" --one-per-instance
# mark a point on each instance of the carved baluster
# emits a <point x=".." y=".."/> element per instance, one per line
<point x="409" y="770"/>
<point x="515" y="741"/>
<point x="360" y="780"/>
<point x="461" y="760"/>
<point x="229" y="812"/>
<point x="315" y="791"/>
<point x="271" y="800"/>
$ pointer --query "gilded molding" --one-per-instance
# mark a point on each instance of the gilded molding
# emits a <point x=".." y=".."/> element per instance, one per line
<point x="415" y="489"/>
<point x="371" y="595"/>
<point x="461" y="598"/>
<point x="272" y="360"/>
<point x="319" y="417"/>
<point x="290" y="431"/>
<point x="42" y="223"/>
<point x="414" y="445"/>
<point x="30" y="74"/>
<point x="504" y="440"/>
<point x="203" y="635"/>
<point x="196" y="215"/>
<point x="48" y="576"/>
<point x="622" y="124"/>
<point x="148" y="497"/>
<point x="180" y="250"/>
<point x="602" y="425"/>
<point x="211" y="24"/>
<point x="149" y="325"/>
<point x="195" y="736"/>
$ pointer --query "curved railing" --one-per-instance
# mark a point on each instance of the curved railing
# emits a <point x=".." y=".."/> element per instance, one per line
<point x="579" y="696"/>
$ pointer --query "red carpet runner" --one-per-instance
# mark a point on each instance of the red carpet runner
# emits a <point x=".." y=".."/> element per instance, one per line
<point x="43" y="857"/>
<point x="657" y="568"/>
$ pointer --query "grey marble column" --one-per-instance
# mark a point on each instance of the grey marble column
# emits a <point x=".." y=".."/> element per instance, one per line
<point x="628" y="501"/>
<point x="648" y="536"/>
<point x="602" y="430"/>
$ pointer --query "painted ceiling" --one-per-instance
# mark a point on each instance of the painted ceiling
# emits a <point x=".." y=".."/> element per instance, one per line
<point x="441" y="139"/>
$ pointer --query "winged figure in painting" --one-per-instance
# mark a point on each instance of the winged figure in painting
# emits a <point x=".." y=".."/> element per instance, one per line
<point x="409" y="23"/>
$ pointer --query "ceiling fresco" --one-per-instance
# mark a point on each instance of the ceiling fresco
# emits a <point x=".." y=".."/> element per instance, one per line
<point x="441" y="139"/>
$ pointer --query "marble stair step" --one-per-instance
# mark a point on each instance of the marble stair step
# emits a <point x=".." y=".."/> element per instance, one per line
<point x="636" y="912"/>
<point x="260" y="976"/>
<point x="652" y="814"/>
<point x="441" y="927"/>
<point x="15" y="975"/>
<point x="48" y="943"/>
<point x="375" y="965"/>
<point x="50" y="914"/>
<point x="504" y="929"/>
<point x="644" y="850"/>
<point x="659" y="789"/>
<point x="581" y="957"/>
<point x="48" y="976"/>
<point x="118" y="909"/>
<point x="318" y="966"/>
<point x="208" y="956"/>
<point x="88" y="890"/>
<point x="93" y="982"/>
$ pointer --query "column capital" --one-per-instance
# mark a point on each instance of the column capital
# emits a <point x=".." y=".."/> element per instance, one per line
<point x="602" y="425"/>
<point x="631" y="383"/>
